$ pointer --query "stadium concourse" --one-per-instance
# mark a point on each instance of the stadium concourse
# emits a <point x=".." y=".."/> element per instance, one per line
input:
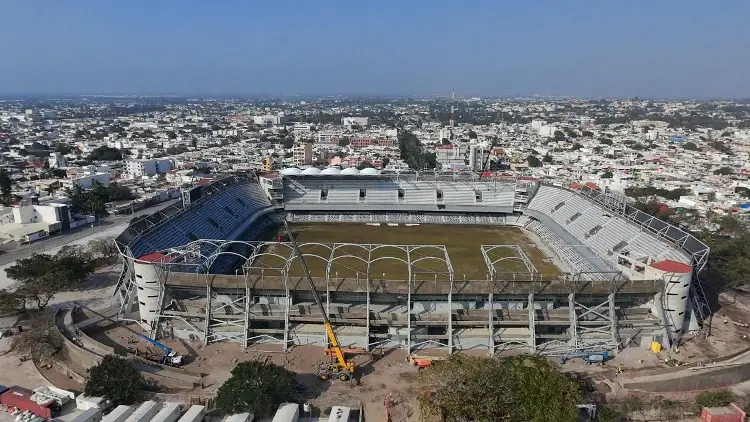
<point x="217" y="268"/>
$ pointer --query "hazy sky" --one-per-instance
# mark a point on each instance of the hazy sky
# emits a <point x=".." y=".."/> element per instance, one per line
<point x="660" y="48"/>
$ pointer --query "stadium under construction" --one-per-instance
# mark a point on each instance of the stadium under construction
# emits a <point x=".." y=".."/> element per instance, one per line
<point x="580" y="269"/>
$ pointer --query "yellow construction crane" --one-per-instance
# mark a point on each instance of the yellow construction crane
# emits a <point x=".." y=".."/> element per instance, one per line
<point x="339" y="368"/>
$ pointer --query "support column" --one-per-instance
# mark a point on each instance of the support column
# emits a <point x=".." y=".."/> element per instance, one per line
<point x="532" y="324"/>
<point x="408" y="321"/>
<point x="450" y="320"/>
<point x="328" y="313"/>
<point x="613" y="321"/>
<point x="286" y="319"/>
<point x="367" y="322"/>
<point x="208" y="311"/>
<point x="491" y="324"/>
<point x="573" y="321"/>
<point x="247" y="312"/>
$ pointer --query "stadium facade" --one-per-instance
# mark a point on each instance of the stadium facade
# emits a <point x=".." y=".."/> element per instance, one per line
<point x="207" y="270"/>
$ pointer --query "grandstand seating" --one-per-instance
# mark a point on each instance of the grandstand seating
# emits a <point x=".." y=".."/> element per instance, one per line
<point x="299" y="191"/>
<point x="600" y="229"/>
<point x="224" y="214"/>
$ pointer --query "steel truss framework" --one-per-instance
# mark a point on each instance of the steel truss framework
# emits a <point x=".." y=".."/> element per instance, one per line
<point x="229" y="314"/>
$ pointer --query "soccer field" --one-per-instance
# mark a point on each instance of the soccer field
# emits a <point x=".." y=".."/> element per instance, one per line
<point x="461" y="243"/>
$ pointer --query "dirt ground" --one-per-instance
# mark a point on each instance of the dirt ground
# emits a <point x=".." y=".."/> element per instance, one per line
<point x="389" y="373"/>
<point x="462" y="244"/>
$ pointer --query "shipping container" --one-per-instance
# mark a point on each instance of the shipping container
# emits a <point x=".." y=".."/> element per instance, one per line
<point x="145" y="412"/>
<point x="240" y="417"/>
<point x="88" y="402"/>
<point x="194" y="414"/>
<point x="288" y="412"/>
<point x="92" y="414"/>
<point x="20" y="398"/>
<point x="169" y="413"/>
<point x="339" y="414"/>
<point x="119" y="414"/>
<point x="731" y="413"/>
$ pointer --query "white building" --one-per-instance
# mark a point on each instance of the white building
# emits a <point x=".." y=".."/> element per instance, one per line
<point x="87" y="181"/>
<point x="57" y="160"/>
<point x="547" y="131"/>
<point x="27" y="223"/>
<point x="350" y="122"/>
<point x="267" y="120"/>
<point x="137" y="169"/>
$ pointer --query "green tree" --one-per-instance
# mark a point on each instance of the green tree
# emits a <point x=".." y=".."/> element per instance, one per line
<point x="472" y="134"/>
<point x="605" y="141"/>
<point x="559" y="136"/>
<point x="363" y="165"/>
<point x="105" y="153"/>
<point x="11" y="302"/>
<point x="116" y="380"/>
<point x="533" y="161"/>
<point x="716" y="398"/>
<point x="518" y="388"/>
<point x="576" y="147"/>
<point x="41" y="276"/>
<point x="606" y="175"/>
<point x="689" y="146"/>
<point x="6" y="188"/>
<point x="587" y="134"/>
<point x="547" y="158"/>
<point x="411" y="151"/>
<point x="287" y="142"/>
<point x="256" y="387"/>
<point x="724" y="171"/>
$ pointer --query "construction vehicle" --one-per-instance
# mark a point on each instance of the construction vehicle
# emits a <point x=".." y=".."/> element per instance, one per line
<point x="170" y="357"/>
<point x="422" y="362"/>
<point x="589" y="358"/>
<point x="338" y="368"/>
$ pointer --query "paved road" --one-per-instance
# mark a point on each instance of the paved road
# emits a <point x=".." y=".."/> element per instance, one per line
<point x="107" y="227"/>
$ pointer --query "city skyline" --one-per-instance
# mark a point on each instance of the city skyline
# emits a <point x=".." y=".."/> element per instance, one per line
<point x="671" y="49"/>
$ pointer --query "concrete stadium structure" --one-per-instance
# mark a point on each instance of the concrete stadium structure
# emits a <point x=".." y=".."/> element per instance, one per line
<point x="207" y="270"/>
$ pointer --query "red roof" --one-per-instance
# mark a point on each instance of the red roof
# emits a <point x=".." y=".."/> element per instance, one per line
<point x="527" y="178"/>
<point x="575" y="186"/>
<point x="592" y="186"/>
<point x="155" y="257"/>
<point x="670" y="266"/>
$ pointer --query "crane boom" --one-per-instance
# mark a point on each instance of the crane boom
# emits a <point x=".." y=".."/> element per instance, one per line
<point x="342" y="362"/>
<point x="163" y="348"/>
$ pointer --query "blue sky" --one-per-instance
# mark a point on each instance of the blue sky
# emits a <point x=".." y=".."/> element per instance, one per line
<point x="653" y="49"/>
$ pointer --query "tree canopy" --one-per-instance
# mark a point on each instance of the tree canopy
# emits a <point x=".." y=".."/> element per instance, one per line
<point x="411" y="151"/>
<point x="533" y="161"/>
<point x="41" y="276"/>
<point x="689" y="146"/>
<point x="92" y="201"/>
<point x="256" y="387"/>
<point x="6" y="188"/>
<point x="116" y="380"/>
<point x="518" y="388"/>
<point x="724" y="171"/>
<point x="105" y="153"/>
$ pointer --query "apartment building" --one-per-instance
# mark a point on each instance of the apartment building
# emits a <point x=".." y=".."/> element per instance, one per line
<point x="302" y="153"/>
<point x="136" y="169"/>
